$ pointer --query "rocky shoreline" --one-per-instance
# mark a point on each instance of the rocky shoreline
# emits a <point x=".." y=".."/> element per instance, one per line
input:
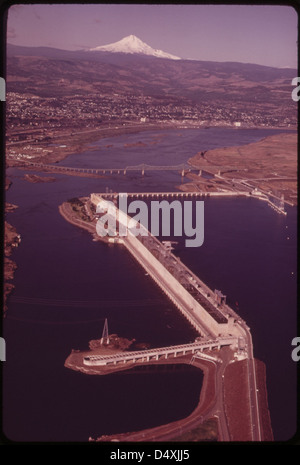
<point x="70" y="214"/>
<point x="35" y="179"/>
<point x="11" y="240"/>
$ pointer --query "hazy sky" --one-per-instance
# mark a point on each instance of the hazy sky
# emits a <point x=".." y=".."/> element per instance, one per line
<point x="264" y="35"/>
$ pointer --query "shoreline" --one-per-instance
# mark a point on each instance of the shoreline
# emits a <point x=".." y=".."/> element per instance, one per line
<point x="81" y="142"/>
<point x="11" y="240"/>
<point x="66" y="211"/>
<point x="248" y="168"/>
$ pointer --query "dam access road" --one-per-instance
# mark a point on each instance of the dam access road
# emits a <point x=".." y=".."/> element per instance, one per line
<point x="224" y="339"/>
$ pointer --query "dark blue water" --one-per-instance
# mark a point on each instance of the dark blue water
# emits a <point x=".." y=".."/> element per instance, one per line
<point x="245" y="253"/>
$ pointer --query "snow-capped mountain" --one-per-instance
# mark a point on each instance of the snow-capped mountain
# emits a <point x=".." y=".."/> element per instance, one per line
<point x="132" y="44"/>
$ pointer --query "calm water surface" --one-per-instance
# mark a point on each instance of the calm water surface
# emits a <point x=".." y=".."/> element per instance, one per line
<point x="66" y="285"/>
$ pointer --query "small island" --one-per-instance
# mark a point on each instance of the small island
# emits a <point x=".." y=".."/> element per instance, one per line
<point x="35" y="178"/>
<point x="113" y="345"/>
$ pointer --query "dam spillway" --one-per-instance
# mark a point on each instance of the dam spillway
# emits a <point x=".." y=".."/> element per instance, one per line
<point x="206" y="310"/>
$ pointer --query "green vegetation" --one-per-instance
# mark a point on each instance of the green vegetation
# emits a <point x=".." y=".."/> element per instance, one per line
<point x="78" y="207"/>
<point x="76" y="203"/>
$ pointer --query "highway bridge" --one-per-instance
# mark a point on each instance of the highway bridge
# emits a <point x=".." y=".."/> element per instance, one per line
<point x="182" y="168"/>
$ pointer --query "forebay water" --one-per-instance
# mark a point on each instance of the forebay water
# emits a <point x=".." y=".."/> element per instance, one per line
<point x="249" y="252"/>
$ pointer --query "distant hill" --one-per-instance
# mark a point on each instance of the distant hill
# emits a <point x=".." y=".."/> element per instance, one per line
<point x="46" y="72"/>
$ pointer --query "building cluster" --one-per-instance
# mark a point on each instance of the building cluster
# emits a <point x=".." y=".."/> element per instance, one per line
<point x="27" y="113"/>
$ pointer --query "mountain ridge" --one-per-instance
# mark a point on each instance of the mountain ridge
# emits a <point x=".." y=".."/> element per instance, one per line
<point x="52" y="52"/>
<point x="222" y="91"/>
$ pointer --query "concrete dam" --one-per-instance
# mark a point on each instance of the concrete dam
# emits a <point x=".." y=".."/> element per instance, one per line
<point x="224" y="338"/>
<point x="204" y="308"/>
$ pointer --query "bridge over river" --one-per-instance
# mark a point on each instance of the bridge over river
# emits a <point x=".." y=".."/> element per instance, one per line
<point x="182" y="168"/>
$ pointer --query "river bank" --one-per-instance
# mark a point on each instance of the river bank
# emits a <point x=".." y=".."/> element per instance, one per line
<point x="11" y="240"/>
<point x="269" y="166"/>
<point x="69" y="143"/>
<point x="73" y="212"/>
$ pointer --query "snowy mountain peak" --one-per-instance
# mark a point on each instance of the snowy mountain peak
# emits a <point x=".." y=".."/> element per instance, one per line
<point x="132" y="44"/>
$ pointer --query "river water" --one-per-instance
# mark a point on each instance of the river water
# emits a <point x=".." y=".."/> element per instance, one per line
<point x="66" y="285"/>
